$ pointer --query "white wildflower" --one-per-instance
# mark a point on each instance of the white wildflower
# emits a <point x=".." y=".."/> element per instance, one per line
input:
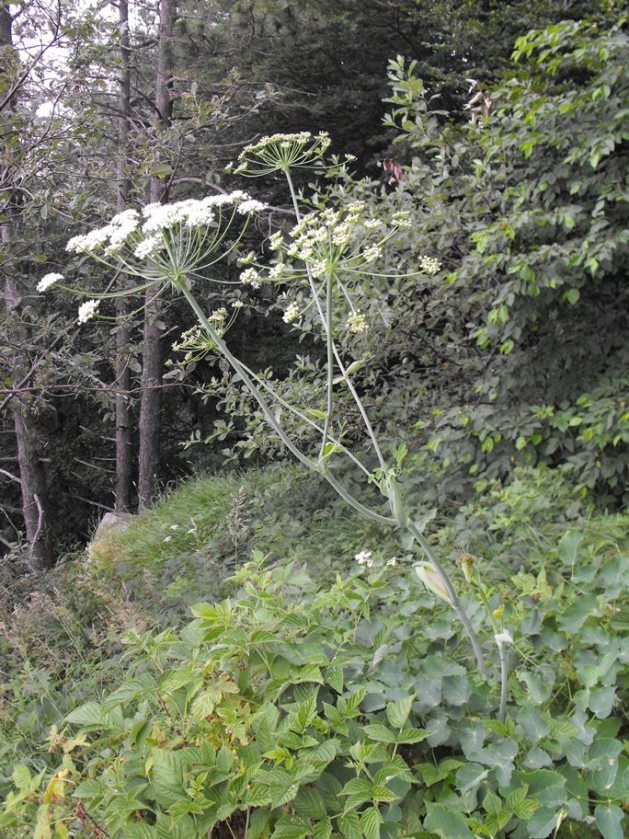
<point x="87" y="310"/>
<point x="357" y="323"/>
<point x="292" y="313"/>
<point x="276" y="272"/>
<point x="429" y="265"/>
<point x="251" y="277"/>
<point x="89" y="242"/>
<point x="126" y="218"/>
<point x="276" y="241"/>
<point x="238" y="304"/>
<point x="201" y="214"/>
<point x="392" y="562"/>
<point x="149" y="247"/>
<point x="251" y="206"/>
<point x="401" y="219"/>
<point x="47" y="280"/>
<point x="218" y="315"/>
<point x="372" y="253"/>
<point x="364" y="558"/>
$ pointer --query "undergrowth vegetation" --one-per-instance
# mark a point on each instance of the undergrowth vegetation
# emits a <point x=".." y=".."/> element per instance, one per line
<point x="331" y="693"/>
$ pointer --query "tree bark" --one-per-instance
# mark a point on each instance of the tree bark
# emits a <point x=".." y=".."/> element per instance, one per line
<point x="123" y="406"/>
<point x="150" y="402"/>
<point x="34" y="492"/>
<point x="32" y="477"/>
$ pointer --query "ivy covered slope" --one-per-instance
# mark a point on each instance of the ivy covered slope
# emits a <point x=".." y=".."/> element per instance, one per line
<point x="351" y="706"/>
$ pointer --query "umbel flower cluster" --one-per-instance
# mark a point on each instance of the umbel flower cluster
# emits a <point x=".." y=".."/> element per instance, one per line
<point x="165" y="243"/>
<point x="281" y="152"/>
<point x="172" y="242"/>
<point x="339" y="242"/>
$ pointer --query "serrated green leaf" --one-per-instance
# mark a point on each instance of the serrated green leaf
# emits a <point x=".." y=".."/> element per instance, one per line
<point x="492" y="803"/>
<point x="358" y="791"/>
<point x="291" y="827"/>
<point x="370" y="821"/>
<point x="382" y="794"/>
<point x="526" y="809"/>
<point x="397" y="712"/>
<point x="138" y="687"/>
<point x="322" y="829"/>
<point x="140" y="831"/>
<point x="411" y="735"/>
<point x="90" y="788"/>
<point x="516" y="797"/>
<point x="173" y="680"/>
<point x="309" y="803"/>
<point x="349" y="825"/>
<point x="333" y="676"/>
<point x="380" y="733"/>
<point x="21" y="776"/>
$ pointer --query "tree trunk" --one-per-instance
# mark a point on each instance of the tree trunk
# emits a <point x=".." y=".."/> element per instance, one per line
<point x="33" y="485"/>
<point x="122" y="370"/>
<point x="32" y="479"/>
<point x="150" y="403"/>
<point x="32" y="476"/>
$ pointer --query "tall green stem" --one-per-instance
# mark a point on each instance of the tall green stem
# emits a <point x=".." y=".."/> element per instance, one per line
<point x="454" y="598"/>
<point x="270" y="417"/>
<point x="330" y="365"/>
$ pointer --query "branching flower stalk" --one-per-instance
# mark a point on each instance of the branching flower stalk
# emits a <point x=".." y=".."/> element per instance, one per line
<point x="177" y="244"/>
<point x="324" y="244"/>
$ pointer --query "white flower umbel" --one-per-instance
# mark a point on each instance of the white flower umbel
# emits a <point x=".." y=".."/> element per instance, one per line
<point x="281" y="153"/>
<point x="364" y="558"/>
<point x="174" y="242"/>
<point x="429" y="265"/>
<point x="87" y="310"/>
<point x="357" y="323"/>
<point x="292" y="313"/>
<point x="47" y="280"/>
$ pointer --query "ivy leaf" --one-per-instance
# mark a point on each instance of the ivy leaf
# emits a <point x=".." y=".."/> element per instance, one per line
<point x="609" y="821"/>
<point x="470" y="776"/>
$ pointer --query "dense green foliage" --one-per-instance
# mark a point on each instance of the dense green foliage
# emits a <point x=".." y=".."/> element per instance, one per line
<point x="302" y="707"/>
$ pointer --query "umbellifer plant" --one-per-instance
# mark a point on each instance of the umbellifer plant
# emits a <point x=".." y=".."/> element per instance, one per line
<point x="326" y="254"/>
